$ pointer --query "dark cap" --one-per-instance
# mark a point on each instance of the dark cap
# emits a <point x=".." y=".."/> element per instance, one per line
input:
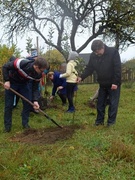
<point x="97" y="45"/>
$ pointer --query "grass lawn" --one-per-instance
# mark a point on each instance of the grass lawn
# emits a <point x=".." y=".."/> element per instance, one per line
<point x="91" y="153"/>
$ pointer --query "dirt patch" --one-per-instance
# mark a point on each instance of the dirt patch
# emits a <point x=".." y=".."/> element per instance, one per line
<point x="46" y="135"/>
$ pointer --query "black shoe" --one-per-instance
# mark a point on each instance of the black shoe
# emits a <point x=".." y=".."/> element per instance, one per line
<point x="7" y="130"/>
<point x="70" y="111"/>
<point x="26" y="126"/>
<point x="99" y="124"/>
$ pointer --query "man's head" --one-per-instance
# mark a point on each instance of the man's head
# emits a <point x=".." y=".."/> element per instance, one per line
<point x="98" y="47"/>
<point x="50" y="75"/>
<point x="40" y="65"/>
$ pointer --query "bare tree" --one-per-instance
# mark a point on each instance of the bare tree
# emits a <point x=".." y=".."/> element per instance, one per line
<point x="69" y="19"/>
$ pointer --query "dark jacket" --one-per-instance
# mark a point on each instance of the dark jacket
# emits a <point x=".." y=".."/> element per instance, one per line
<point x="10" y="73"/>
<point x="107" y="67"/>
<point x="58" y="82"/>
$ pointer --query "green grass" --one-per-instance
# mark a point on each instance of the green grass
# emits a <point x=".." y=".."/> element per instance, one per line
<point x="93" y="153"/>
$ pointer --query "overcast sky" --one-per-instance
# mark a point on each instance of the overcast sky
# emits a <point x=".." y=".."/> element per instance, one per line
<point x="128" y="54"/>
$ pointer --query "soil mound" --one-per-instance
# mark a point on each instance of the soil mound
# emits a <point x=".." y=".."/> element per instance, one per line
<point x="46" y="135"/>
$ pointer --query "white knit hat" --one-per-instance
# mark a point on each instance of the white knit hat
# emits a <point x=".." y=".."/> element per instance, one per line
<point x="73" y="55"/>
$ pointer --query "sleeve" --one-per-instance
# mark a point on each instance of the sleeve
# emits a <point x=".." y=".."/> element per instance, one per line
<point x="117" y="69"/>
<point x="5" y="70"/>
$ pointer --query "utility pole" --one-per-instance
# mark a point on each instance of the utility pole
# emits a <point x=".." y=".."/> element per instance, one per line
<point x="35" y="51"/>
<point x="37" y="46"/>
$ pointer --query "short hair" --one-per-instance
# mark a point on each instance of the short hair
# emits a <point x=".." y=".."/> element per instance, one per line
<point x="50" y="74"/>
<point x="12" y="58"/>
<point x="41" y="63"/>
<point x="97" y="45"/>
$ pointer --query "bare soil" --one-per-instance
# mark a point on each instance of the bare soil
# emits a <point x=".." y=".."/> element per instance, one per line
<point x="46" y="135"/>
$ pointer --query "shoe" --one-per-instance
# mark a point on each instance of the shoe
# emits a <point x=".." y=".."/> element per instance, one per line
<point x="7" y="130"/>
<point x="70" y="110"/>
<point x="26" y="126"/>
<point x="99" y="124"/>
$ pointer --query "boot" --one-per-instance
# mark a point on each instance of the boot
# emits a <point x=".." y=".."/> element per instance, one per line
<point x="71" y="109"/>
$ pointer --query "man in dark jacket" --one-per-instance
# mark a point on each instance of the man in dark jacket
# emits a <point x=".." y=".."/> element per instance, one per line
<point x="107" y="64"/>
<point x="16" y="75"/>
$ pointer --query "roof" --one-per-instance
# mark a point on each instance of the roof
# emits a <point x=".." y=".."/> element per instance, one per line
<point x="85" y="56"/>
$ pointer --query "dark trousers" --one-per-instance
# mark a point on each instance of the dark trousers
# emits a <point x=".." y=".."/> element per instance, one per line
<point x="70" y="93"/>
<point x="9" y="99"/>
<point x="62" y="96"/>
<point x="113" y="96"/>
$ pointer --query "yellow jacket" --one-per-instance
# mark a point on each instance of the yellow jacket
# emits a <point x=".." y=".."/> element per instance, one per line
<point x="71" y="73"/>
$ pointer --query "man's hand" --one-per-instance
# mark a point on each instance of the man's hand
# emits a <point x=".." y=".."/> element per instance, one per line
<point x="114" y="86"/>
<point x="36" y="105"/>
<point x="79" y="79"/>
<point x="51" y="98"/>
<point x="60" y="87"/>
<point x="7" y="85"/>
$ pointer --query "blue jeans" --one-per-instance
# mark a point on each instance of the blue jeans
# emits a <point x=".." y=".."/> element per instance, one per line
<point x="113" y="95"/>
<point x="9" y="99"/>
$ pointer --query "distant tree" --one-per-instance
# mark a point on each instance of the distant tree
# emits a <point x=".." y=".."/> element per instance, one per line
<point x="55" y="58"/>
<point x="50" y="38"/>
<point x="29" y="45"/>
<point x="66" y="46"/>
<point x="6" y="52"/>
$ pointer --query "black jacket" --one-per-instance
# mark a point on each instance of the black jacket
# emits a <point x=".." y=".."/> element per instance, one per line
<point x="107" y="67"/>
<point x="10" y="73"/>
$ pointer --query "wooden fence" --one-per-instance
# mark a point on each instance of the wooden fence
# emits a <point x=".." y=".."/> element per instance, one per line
<point x="128" y="75"/>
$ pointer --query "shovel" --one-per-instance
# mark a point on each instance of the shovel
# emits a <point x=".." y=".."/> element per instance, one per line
<point x="33" y="105"/>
